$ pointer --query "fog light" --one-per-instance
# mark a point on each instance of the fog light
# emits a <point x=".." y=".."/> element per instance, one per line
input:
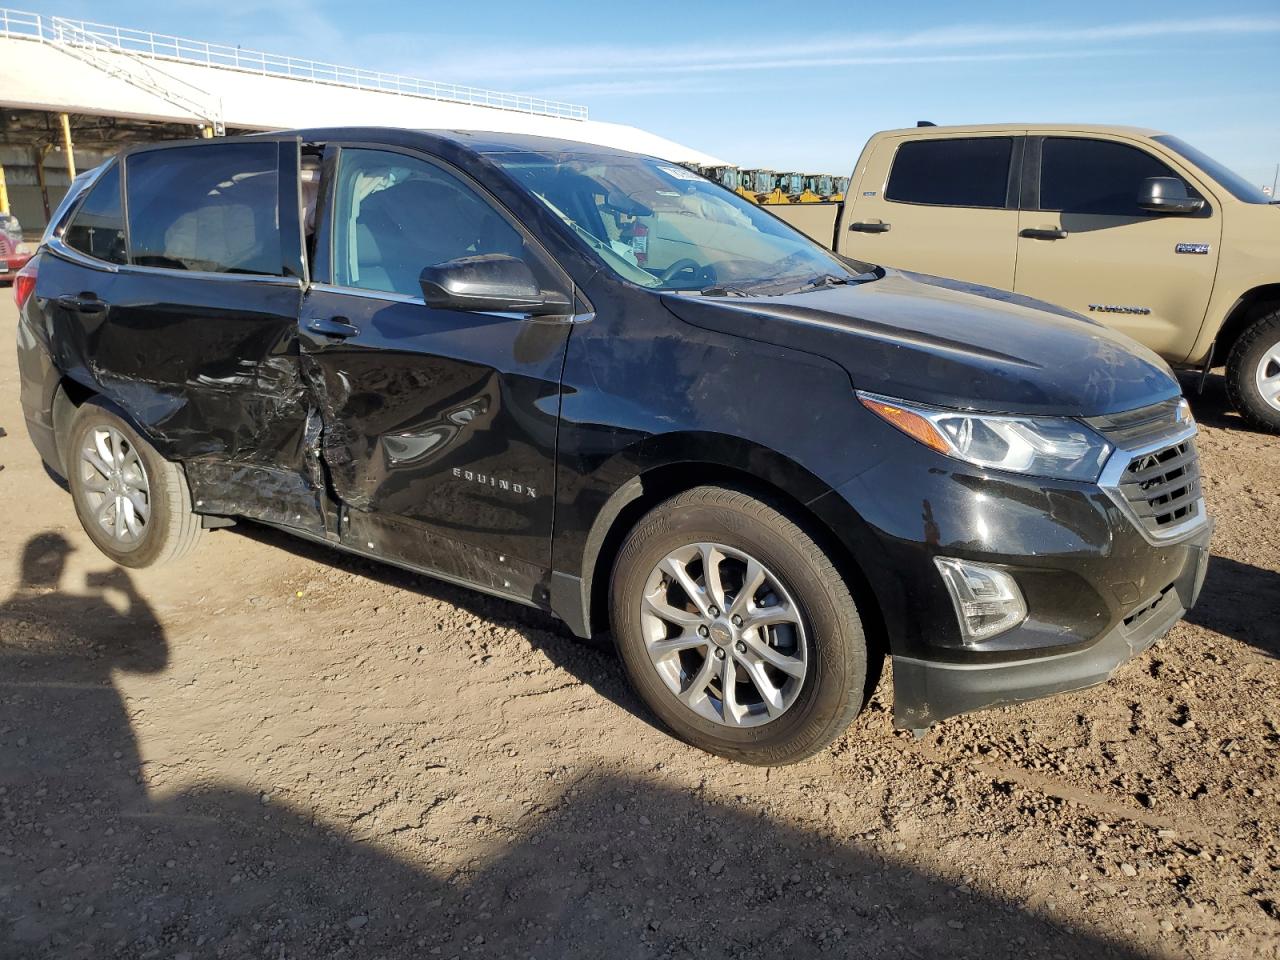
<point x="987" y="600"/>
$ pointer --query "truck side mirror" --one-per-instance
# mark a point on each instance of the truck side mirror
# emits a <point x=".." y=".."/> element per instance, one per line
<point x="491" y="283"/>
<point x="1167" y="195"/>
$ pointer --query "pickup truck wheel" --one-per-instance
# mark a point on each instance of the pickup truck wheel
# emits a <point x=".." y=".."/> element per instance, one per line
<point x="133" y="504"/>
<point x="736" y="628"/>
<point x="1253" y="373"/>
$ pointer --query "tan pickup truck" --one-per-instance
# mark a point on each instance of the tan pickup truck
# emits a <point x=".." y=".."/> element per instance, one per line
<point x="1133" y="228"/>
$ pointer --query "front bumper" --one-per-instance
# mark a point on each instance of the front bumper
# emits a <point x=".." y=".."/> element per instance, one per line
<point x="1098" y="590"/>
<point x="926" y="691"/>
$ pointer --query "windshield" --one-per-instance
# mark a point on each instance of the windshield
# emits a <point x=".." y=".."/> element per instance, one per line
<point x="1236" y="185"/>
<point x="661" y="226"/>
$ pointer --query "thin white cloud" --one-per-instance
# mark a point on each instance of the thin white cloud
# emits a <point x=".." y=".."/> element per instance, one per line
<point x="976" y="42"/>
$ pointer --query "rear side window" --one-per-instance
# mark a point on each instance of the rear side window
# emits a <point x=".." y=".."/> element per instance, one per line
<point x="1079" y="175"/>
<point x="207" y="208"/>
<point x="954" y="172"/>
<point x="98" y="226"/>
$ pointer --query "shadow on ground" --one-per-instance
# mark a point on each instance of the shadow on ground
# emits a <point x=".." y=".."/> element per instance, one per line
<point x="1212" y="407"/>
<point x="91" y="865"/>
<point x="1229" y="604"/>
<point x="594" y="662"/>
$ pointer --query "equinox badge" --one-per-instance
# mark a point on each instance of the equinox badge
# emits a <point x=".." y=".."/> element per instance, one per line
<point x="489" y="480"/>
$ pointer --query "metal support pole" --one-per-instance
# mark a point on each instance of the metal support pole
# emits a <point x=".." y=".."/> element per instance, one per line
<point x="4" y="192"/>
<point x="37" y="154"/>
<point x="66" y="145"/>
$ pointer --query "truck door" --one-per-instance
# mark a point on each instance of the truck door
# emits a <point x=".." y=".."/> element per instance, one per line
<point x="1085" y="244"/>
<point x="439" y="425"/>
<point x="943" y="205"/>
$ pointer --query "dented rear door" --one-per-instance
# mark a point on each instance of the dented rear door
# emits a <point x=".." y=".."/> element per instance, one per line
<point x="195" y="336"/>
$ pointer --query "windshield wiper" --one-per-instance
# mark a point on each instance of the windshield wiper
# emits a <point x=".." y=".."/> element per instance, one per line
<point x="821" y="280"/>
<point x="725" y="290"/>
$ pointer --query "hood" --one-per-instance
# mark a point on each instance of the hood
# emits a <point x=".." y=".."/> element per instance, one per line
<point x="951" y="344"/>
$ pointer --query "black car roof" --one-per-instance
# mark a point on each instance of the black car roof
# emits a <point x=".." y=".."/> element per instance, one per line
<point x="476" y="141"/>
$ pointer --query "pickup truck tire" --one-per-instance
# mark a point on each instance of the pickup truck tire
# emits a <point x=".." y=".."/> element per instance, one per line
<point x="134" y="505"/>
<point x="1253" y="360"/>
<point x="775" y="625"/>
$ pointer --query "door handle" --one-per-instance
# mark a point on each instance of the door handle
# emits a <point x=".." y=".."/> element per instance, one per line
<point x="873" y="226"/>
<point x="87" y="304"/>
<point x="1043" y="233"/>
<point x="336" y="327"/>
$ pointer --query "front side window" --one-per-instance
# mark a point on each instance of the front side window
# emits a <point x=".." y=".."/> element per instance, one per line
<point x="661" y="226"/>
<point x="952" y="172"/>
<point x="98" y="226"/>
<point x="1099" y="177"/>
<point x="207" y="208"/>
<point x="395" y="215"/>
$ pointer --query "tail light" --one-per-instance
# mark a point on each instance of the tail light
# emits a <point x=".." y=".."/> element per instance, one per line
<point x="24" y="283"/>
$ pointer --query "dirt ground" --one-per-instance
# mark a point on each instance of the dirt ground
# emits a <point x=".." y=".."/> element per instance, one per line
<point x="270" y="750"/>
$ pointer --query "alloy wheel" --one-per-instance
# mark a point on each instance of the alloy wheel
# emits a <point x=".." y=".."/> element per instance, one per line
<point x="724" y="634"/>
<point x="115" y="485"/>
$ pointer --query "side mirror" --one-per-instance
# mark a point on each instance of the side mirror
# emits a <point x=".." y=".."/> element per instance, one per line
<point x="1167" y="195"/>
<point x="491" y="283"/>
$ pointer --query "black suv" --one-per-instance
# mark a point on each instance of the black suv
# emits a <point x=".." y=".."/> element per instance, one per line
<point x="599" y="384"/>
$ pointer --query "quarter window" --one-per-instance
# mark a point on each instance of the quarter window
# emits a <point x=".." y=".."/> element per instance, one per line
<point x="98" y="226"/>
<point x="952" y="172"/>
<point x="395" y="215"/>
<point x="1098" y="177"/>
<point x="208" y="208"/>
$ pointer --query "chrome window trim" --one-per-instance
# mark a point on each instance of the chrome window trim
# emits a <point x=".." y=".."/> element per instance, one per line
<point x="56" y="246"/>
<point x="59" y="248"/>
<point x="387" y="296"/>
<point x="1113" y="473"/>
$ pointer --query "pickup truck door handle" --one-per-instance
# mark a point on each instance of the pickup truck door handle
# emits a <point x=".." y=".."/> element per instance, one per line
<point x="336" y="327"/>
<point x="85" y="304"/>
<point x="1043" y="233"/>
<point x="872" y="226"/>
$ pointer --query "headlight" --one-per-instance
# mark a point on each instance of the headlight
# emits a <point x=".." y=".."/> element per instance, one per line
<point x="1056" y="447"/>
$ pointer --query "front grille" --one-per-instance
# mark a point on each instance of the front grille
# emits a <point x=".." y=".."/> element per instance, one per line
<point x="1160" y="487"/>
<point x="1163" y="487"/>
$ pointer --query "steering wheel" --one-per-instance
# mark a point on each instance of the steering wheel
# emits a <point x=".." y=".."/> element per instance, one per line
<point x="681" y="266"/>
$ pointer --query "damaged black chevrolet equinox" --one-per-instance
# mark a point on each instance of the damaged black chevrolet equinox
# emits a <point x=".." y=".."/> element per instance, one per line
<point x="596" y="383"/>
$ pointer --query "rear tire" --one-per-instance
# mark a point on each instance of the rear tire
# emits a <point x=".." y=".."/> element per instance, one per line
<point x="134" y="505"/>
<point x="1253" y="373"/>
<point x="796" y="678"/>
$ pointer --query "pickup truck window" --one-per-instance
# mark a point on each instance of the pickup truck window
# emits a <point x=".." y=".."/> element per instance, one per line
<point x="395" y="214"/>
<point x="207" y="208"/>
<point x="1232" y="182"/>
<point x="1101" y="177"/>
<point x="97" y="228"/>
<point x="952" y="172"/>
<point x="660" y="226"/>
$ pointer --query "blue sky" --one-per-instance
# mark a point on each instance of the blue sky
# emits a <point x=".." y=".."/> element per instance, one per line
<point x="798" y="86"/>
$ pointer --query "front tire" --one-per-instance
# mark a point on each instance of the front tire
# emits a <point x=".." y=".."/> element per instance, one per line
<point x="736" y="628"/>
<point x="1253" y="373"/>
<point x="134" y="505"/>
